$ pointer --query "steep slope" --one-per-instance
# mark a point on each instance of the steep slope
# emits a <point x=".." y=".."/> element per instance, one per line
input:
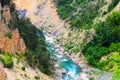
<point x="18" y="36"/>
<point x="44" y="13"/>
<point x="18" y="73"/>
<point x="2" y="72"/>
<point x="10" y="40"/>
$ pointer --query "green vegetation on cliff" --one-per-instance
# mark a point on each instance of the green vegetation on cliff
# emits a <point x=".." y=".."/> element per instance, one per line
<point x="5" y="2"/>
<point x="112" y="5"/>
<point x="103" y="51"/>
<point x="79" y="13"/>
<point x="8" y="2"/>
<point x="36" y="53"/>
<point x="105" y="41"/>
<point x="7" y="59"/>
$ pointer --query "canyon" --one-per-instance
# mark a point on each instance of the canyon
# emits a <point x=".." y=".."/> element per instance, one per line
<point x="44" y="15"/>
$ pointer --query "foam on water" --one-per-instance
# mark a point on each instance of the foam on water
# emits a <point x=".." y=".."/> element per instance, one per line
<point x="58" y="56"/>
<point x="72" y="70"/>
<point x="49" y="39"/>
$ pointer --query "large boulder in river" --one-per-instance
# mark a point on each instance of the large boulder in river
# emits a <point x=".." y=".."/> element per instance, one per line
<point x="3" y="75"/>
<point x="63" y="71"/>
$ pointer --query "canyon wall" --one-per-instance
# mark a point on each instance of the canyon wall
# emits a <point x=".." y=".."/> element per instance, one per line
<point x="10" y="40"/>
<point x="2" y="72"/>
<point x="43" y="13"/>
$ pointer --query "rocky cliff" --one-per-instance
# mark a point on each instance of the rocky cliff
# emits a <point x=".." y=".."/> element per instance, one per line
<point x="10" y="40"/>
<point x="2" y="72"/>
<point x="42" y="13"/>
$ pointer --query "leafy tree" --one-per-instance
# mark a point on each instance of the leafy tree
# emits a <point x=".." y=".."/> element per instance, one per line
<point x="37" y="54"/>
<point x="106" y="40"/>
<point x="112" y="5"/>
<point x="114" y="47"/>
<point x="5" y="2"/>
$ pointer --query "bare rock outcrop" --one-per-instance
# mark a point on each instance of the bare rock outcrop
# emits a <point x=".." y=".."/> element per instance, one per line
<point x="6" y="13"/>
<point x="10" y="40"/>
<point x="2" y="72"/>
<point x="42" y="13"/>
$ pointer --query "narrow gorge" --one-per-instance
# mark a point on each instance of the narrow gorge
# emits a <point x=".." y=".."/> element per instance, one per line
<point x="60" y="39"/>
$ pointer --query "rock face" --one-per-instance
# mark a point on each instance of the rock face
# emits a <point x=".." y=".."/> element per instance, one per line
<point x="10" y="40"/>
<point x="30" y="6"/>
<point x="2" y="72"/>
<point x="6" y="13"/>
<point x="41" y="12"/>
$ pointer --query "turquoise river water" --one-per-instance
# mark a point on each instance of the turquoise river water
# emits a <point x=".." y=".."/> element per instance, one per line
<point x="72" y="69"/>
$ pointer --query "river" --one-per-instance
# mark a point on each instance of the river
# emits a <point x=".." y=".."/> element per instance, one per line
<point x="70" y="69"/>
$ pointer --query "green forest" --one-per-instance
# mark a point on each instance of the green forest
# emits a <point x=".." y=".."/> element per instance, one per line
<point x="80" y="13"/>
<point x="37" y="54"/>
<point x="106" y="40"/>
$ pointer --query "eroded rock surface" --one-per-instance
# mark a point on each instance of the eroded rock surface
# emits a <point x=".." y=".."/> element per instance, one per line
<point x="10" y="40"/>
<point x="2" y="72"/>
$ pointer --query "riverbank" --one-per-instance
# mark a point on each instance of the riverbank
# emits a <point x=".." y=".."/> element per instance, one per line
<point x="86" y="73"/>
<point x="75" y="58"/>
<point x="79" y="60"/>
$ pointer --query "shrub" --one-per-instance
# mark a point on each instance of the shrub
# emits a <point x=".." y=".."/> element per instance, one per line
<point x="7" y="60"/>
<point x="17" y="79"/>
<point x="23" y="68"/>
<point x="37" y="77"/>
<point x="9" y="35"/>
<point x="76" y="50"/>
<point x="91" y="78"/>
<point x="5" y="2"/>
